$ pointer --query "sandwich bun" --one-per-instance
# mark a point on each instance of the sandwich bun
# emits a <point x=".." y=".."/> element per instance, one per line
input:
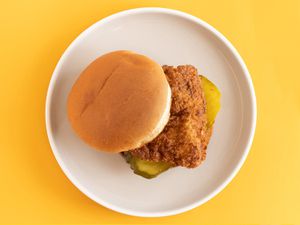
<point x="120" y="102"/>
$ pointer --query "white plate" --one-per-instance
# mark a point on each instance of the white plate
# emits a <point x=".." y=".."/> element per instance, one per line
<point x="169" y="37"/>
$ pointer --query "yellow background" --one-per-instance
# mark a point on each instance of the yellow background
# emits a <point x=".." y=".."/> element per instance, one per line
<point x="34" y="34"/>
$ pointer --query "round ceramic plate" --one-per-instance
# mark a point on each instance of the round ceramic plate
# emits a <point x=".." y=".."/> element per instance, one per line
<point x="168" y="37"/>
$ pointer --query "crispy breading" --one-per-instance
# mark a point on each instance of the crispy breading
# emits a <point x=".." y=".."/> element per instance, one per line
<point x="184" y="140"/>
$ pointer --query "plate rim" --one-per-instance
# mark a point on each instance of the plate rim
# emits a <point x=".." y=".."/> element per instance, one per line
<point x="183" y="15"/>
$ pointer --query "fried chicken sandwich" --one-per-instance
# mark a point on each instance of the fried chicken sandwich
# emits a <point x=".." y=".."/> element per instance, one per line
<point x="156" y="117"/>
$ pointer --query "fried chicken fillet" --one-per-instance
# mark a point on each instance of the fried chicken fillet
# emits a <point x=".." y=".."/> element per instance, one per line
<point x="184" y="140"/>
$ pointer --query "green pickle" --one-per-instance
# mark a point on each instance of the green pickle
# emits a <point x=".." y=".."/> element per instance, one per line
<point x="150" y="169"/>
<point x="145" y="168"/>
<point x="212" y="96"/>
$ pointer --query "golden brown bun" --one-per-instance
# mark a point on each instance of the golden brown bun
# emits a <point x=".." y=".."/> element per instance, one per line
<point x="120" y="102"/>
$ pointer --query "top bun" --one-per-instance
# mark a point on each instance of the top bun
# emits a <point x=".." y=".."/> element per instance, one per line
<point x="120" y="102"/>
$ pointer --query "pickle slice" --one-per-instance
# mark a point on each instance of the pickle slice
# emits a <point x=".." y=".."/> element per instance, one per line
<point x="145" y="168"/>
<point x="212" y="96"/>
<point x="148" y="169"/>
